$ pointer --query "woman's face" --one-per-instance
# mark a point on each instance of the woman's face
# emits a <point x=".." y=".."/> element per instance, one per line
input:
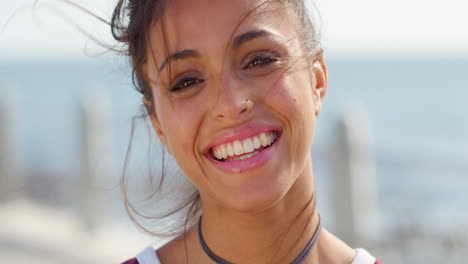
<point x="236" y="99"/>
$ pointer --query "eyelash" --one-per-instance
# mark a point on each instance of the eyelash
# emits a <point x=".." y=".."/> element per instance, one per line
<point x="260" y="61"/>
<point x="257" y="61"/>
<point x="185" y="83"/>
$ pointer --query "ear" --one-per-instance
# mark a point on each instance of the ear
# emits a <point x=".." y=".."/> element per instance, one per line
<point x="319" y="70"/>
<point x="155" y="123"/>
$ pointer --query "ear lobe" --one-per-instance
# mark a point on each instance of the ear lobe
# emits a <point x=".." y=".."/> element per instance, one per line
<point x="155" y="123"/>
<point x="321" y="83"/>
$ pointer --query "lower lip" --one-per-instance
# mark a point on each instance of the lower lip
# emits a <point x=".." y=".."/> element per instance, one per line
<point x="238" y="166"/>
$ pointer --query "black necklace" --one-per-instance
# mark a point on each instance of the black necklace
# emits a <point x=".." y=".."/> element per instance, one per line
<point x="299" y="259"/>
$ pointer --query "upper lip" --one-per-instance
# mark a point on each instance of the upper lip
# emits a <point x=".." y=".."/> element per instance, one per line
<point x="240" y="133"/>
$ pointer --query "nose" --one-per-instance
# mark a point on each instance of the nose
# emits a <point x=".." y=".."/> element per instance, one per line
<point x="233" y="101"/>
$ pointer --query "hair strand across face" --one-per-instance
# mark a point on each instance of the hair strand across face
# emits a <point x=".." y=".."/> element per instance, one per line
<point x="130" y="25"/>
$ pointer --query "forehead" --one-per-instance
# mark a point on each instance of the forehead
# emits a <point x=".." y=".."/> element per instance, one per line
<point x="209" y="25"/>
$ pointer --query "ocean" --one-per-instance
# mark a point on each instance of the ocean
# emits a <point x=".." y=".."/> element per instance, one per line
<point x="417" y="108"/>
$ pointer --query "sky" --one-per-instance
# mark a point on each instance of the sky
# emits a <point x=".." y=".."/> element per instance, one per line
<point x="348" y="28"/>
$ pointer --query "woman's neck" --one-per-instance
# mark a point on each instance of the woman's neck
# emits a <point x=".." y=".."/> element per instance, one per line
<point x="275" y="235"/>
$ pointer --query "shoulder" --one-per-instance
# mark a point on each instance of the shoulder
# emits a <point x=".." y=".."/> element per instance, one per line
<point x="168" y="253"/>
<point x="147" y="256"/>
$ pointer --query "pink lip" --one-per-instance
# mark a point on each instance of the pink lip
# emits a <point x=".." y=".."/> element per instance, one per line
<point x="241" y="133"/>
<point x="237" y="166"/>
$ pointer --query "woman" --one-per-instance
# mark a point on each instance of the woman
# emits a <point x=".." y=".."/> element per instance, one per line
<point x="233" y="89"/>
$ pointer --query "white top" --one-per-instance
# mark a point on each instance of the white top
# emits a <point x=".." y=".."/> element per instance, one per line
<point x="149" y="256"/>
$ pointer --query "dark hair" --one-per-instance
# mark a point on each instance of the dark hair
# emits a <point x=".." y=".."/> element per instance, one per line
<point x="130" y="24"/>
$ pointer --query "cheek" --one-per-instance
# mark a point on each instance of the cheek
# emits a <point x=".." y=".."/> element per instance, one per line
<point x="291" y="97"/>
<point x="180" y="123"/>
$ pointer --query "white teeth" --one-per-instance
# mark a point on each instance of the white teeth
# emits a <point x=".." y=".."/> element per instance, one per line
<point x="263" y="139"/>
<point x="246" y="156"/>
<point x="247" y="147"/>
<point x="238" y="149"/>
<point x="256" y="143"/>
<point x="230" y="149"/>
<point x="222" y="150"/>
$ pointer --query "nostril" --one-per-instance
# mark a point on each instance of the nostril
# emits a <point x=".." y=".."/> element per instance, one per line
<point x="232" y="111"/>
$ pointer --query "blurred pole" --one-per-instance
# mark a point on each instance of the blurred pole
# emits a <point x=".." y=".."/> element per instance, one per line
<point x="354" y="178"/>
<point x="11" y="176"/>
<point x="97" y="156"/>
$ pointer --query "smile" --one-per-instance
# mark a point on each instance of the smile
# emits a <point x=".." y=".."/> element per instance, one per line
<point x="244" y="149"/>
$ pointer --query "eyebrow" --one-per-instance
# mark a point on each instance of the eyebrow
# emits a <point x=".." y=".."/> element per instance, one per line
<point x="179" y="55"/>
<point x="250" y="35"/>
<point x="236" y="43"/>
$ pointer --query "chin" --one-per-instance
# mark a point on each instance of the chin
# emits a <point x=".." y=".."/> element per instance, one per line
<point x="255" y="198"/>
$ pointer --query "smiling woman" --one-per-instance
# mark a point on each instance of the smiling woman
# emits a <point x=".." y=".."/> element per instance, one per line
<point x="232" y="89"/>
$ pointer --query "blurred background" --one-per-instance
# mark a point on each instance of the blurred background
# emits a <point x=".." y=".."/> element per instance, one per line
<point x="390" y="156"/>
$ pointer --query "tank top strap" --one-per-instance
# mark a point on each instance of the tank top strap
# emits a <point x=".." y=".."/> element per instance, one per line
<point x="148" y="256"/>
<point x="363" y="257"/>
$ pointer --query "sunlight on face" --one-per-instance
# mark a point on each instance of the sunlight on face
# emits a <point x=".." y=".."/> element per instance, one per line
<point x="234" y="79"/>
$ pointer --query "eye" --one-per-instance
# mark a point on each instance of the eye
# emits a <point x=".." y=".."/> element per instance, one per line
<point x="260" y="61"/>
<point x="184" y="83"/>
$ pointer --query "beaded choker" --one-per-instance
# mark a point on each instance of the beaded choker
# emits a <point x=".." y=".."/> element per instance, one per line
<point x="299" y="259"/>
